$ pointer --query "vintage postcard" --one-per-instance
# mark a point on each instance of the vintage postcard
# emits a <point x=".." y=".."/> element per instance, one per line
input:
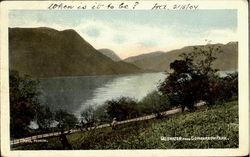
<point x="124" y="78"/>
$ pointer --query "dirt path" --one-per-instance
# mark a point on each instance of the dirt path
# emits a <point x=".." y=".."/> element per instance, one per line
<point x="33" y="139"/>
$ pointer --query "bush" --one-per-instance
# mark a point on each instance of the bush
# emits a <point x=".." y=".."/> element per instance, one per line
<point x="23" y="102"/>
<point x="232" y="82"/>
<point x="88" y="117"/>
<point x="222" y="89"/>
<point x="44" y="117"/>
<point x="65" y="120"/>
<point x="101" y="114"/>
<point x="122" y="108"/>
<point x="154" y="102"/>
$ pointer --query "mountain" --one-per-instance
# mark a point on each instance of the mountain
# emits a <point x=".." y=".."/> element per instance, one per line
<point x="225" y="61"/>
<point x="143" y="56"/>
<point x="111" y="54"/>
<point x="46" y="52"/>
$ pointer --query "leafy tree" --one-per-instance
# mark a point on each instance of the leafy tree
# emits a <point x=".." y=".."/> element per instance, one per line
<point x="154" y="102"/>
<point x="101" y="114"/>
<point x="201" y="59"/>
<point x="23" y="101"/>
<point x="122" y="108"/>
<point x="88" y="117"/>
<point x="178" y="85"/>
<point x="193" y="78"/>
<point x="44" y="117"/>
<point x="222" y="89"/>
<point x="65" y="120"/>
<point x="232" y="81"/>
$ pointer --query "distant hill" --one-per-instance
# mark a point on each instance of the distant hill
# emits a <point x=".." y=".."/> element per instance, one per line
<point x="46" y="52"/>
<point x="160" y="62"/>
<point x="111" y="54"/>
<point x="143" y="56"/>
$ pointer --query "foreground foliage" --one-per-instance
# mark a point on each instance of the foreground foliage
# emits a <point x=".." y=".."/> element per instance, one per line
<point x="25" y="108"/>
<point x="218" y="120"/>
<point x="23" y="103"/>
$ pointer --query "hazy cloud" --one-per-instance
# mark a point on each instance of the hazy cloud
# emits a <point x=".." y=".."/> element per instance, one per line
<point x="148" y="44"/>
<point x="119" y="39"/>
<point x="93" y="32"/>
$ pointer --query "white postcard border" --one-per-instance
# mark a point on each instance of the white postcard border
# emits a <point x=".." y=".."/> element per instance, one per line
<point x="241" y="6"/>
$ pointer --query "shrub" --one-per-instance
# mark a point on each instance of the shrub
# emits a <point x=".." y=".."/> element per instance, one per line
<point x="122" y="108"/>
<point x="232" y="82"/>
<point x="65" y="120"/>
<point x="44" y="117"/>
<point x="23" y="102"/>
<point x="88" y="117"/>
<point x="101" y="114"/>
<point x="222" y="89"/>
<point x="154" y="102"/>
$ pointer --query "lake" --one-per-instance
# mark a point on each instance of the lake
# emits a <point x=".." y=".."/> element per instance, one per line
<point x="75" y="93"/>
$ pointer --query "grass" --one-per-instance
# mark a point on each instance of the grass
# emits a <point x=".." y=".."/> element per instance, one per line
<point x="219" y="120"/>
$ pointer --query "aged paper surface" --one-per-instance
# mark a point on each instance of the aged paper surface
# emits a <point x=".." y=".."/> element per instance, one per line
<point x="128" y="28"/>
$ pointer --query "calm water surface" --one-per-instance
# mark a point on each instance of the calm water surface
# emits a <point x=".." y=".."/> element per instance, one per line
<point x="74" y="93"/>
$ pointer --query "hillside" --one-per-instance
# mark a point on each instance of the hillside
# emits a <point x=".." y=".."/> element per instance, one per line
<point x="220" y="120"/>
<point x="225" y="61"/>
<point x="46" y="52"/>
<point x="111" y="54"/>
<point x="143" y="56"/>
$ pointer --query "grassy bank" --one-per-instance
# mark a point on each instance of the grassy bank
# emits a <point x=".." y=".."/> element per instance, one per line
<point x="219" y="120"/>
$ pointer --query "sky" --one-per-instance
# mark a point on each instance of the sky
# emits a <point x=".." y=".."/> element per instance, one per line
<point x="133" y="32"/>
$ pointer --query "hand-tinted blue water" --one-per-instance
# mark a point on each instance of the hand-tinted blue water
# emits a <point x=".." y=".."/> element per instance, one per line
<point x="74" y="93"/>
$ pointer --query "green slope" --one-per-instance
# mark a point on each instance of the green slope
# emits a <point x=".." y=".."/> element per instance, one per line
<point x="220" y="120"/>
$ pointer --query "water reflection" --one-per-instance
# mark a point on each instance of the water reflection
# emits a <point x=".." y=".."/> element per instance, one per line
<point x="73" y="93"/>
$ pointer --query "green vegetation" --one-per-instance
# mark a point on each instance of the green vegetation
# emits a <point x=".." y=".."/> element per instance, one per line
<point x="193" y="79"/>
<point x="23" y="103"/>
<point x="122" y="108"/>
<point x="154" y="102"/>
<point x="25" y="107"/>
<point x="65" y="120"/>
<point x="44" y="117"/>
<point x="218" y="120"/>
